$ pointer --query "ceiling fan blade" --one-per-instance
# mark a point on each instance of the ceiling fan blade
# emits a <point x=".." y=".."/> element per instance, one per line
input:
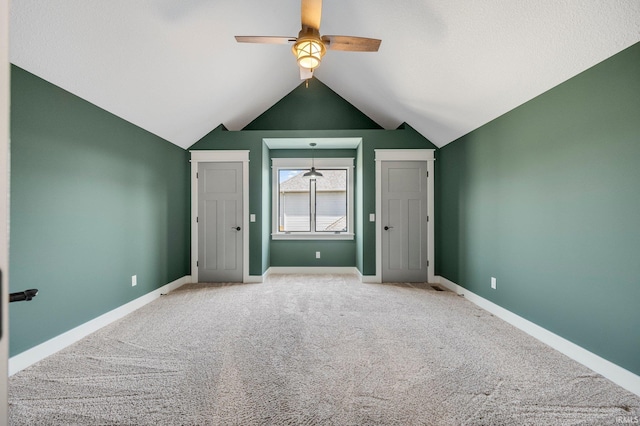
<point x="351" y="44"/>
<point x="265" y="39"/>
<point x="311" y="11"/>
<point x="305" y="73"/>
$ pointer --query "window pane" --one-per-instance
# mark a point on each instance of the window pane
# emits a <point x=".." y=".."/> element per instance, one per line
<point x="331" y="201"/>
<point x="294" y="213"/>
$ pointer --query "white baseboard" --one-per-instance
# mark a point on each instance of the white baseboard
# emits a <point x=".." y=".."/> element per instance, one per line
<point x="611" y="371"/>
<point x="37" y="353"/>
<point x="368" y="279"/>
<point x="312" y="270"/>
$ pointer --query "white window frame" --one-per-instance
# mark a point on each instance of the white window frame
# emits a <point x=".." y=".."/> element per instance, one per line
<point x="278" y="164"/>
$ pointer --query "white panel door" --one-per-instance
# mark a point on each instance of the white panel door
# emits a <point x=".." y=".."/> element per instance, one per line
<point x="404" y="221"/>
<point x="220" y="222"/>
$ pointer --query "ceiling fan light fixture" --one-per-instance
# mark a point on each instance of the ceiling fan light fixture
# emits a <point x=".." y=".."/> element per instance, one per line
<point x="309" y="52"/>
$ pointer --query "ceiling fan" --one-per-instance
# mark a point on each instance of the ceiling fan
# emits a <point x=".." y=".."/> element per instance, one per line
<point x="309" y="47"/>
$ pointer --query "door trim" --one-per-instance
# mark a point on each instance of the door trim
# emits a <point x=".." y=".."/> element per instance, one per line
<point x="427" y="155"/>
<point x="220" y="156"/>
<point x="5" y="94"/>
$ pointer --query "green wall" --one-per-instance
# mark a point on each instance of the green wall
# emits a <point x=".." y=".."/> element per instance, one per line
<point x="222" y="139"/>
<point x="358" y="220"/>
<point x="265" y="210"/>
<point x="94" y="200"/>
<point x="316" y="107"/>
<point x="303" y="253"/>
<point x="402" y="138"/>
<point x="546" y="199"/>
<point x="350" y="123"/>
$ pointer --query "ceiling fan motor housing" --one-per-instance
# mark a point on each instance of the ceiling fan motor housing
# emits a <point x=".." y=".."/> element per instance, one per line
<point x="309" y="48"/>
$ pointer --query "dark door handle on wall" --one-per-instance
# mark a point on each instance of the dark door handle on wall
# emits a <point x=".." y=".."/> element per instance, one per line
<point x="23" y="295"/>
<point x="386" y="228"/>
<point x="237" y="228"/>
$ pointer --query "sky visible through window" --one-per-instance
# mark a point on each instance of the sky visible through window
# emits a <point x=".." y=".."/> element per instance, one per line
<point x="288" y="174"/>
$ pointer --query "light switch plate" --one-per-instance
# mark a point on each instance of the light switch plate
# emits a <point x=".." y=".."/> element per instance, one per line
<point x="372" y="217"/>
<point x="252" y="217"/>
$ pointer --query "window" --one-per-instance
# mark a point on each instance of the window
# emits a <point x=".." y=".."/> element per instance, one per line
<point x="312" y="208"/>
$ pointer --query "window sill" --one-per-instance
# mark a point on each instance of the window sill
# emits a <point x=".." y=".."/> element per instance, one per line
<point x="316" y="236"/>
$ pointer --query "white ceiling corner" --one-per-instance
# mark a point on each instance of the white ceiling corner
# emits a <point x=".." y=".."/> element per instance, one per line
<point x="445" y="68"/>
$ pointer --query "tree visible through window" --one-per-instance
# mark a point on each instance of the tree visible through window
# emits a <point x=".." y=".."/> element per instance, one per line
<point x="316" y="205"/>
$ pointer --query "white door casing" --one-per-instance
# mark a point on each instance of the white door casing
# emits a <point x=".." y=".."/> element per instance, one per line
<point x="226" y="156"/>
<point x="4" y="203"/>
<point x="425" y="155"/>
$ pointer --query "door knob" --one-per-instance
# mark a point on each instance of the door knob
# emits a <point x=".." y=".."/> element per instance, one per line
<point x="386" y="228"/>
<point x="237" y="228"/>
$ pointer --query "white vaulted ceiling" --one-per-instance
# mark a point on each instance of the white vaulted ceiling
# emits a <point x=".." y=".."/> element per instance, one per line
<point x="174" y="68"/>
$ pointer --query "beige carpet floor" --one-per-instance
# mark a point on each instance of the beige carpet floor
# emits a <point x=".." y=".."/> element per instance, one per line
<point x="313" y="350"/>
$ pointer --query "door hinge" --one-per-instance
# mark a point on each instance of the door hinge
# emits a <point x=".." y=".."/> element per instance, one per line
<point x="427" y="218"/>
<point x="197" y="219"/>
<point x="197" y="263"/>
<point x="197" y="175"/>
<point x="427" y="263"/>
<point x="427" y="174"/>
